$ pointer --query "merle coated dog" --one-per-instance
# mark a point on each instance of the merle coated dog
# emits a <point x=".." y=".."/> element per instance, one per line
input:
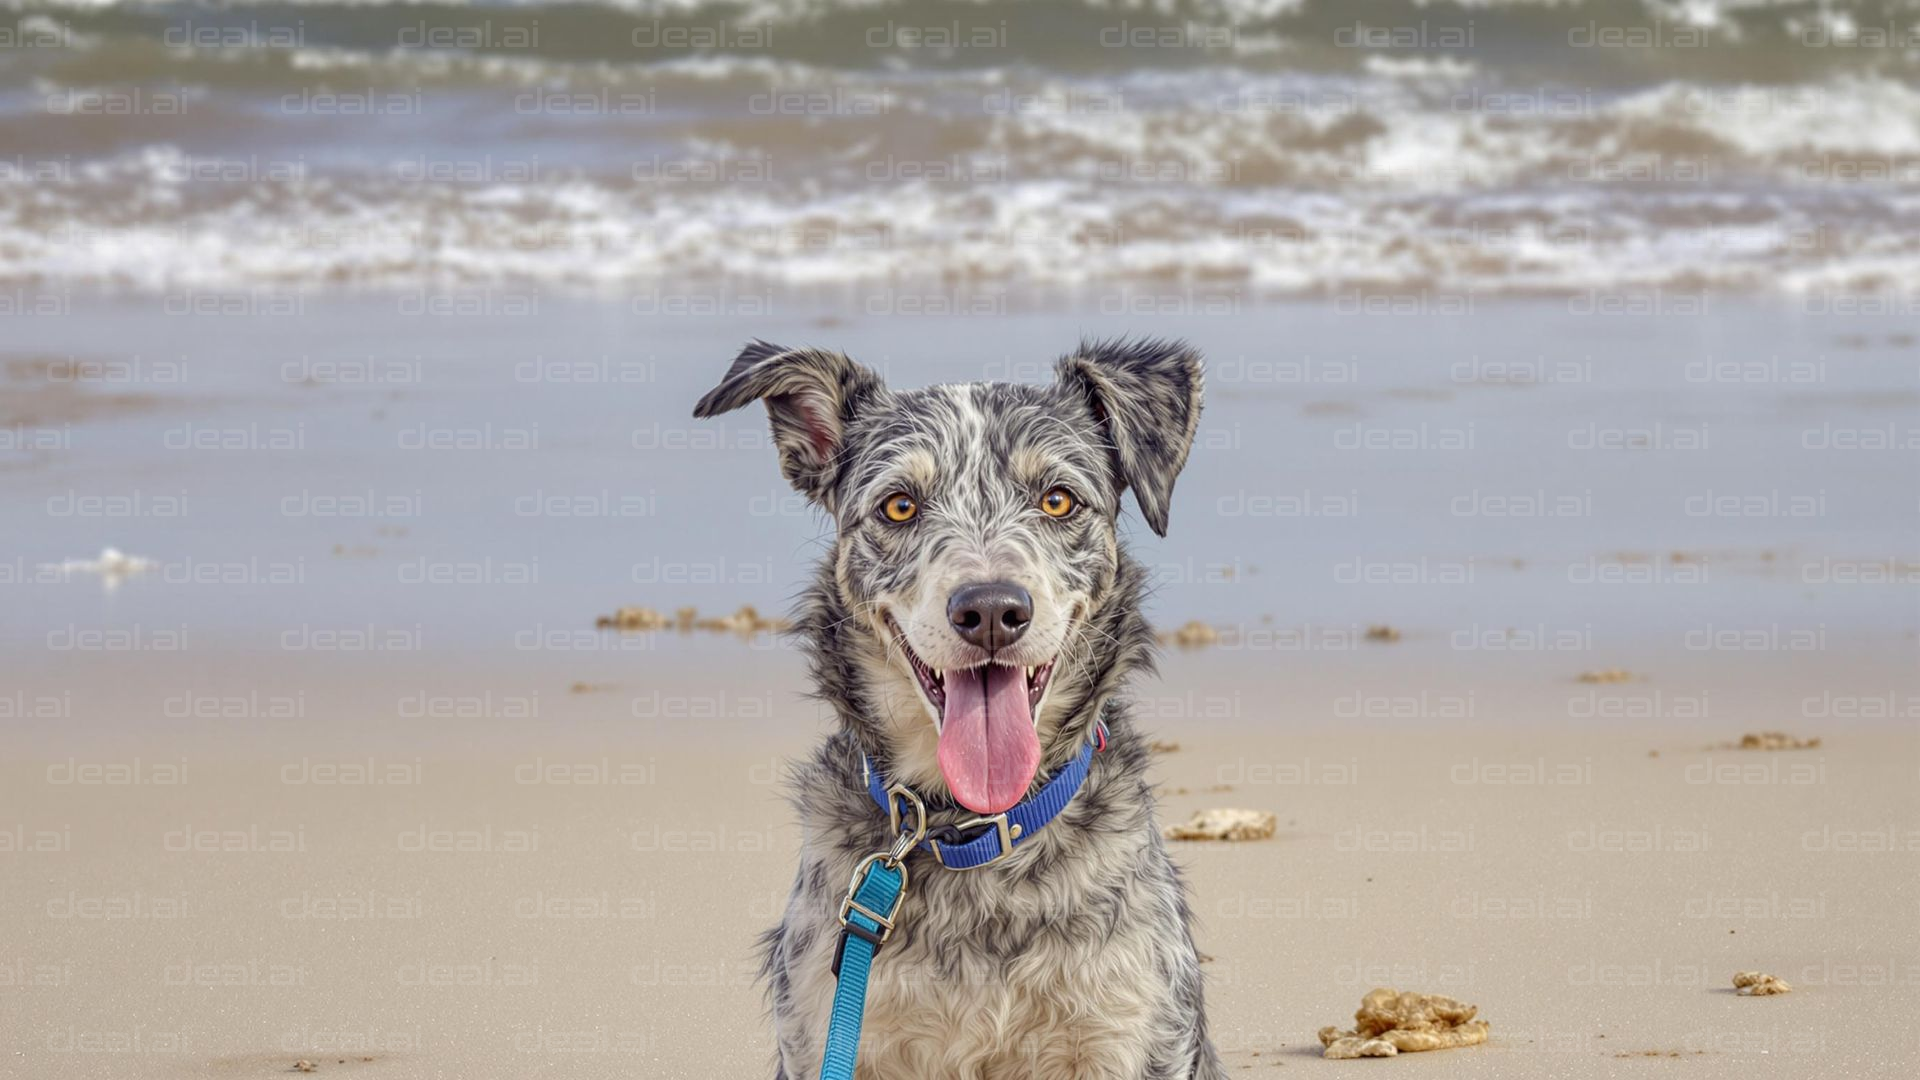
<point x="973" y="628"/>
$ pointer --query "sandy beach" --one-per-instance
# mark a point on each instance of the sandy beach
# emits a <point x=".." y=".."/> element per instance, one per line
<point x="348" y="776"/>
<point x="228" y="902"/>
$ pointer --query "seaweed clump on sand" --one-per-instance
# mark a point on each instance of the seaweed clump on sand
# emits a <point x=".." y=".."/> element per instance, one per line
<point x="1194" y="635"/>
<point x="1759" y="984"/>
<point x="1390" y="1022"/>
<point x="745" y="622"/>
<point x="1772" y="740"/>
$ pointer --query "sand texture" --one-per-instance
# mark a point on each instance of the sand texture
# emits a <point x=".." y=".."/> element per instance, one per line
<point x="589" y="907"/>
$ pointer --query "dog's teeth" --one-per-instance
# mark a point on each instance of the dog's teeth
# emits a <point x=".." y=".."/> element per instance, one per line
<point x="1030" y="672"/>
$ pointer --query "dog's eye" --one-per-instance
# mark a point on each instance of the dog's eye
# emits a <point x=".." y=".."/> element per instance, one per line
<point x="1058" y="503"/>
<point x="899" y="507"/>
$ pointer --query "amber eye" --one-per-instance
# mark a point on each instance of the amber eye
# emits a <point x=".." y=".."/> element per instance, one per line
<point x="1057" y="503"/>
<point x="899" y="507"/>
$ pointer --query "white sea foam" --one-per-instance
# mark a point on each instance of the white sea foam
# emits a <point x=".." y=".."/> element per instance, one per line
<point x="1402" y="167"/>
<point x="112" y="567"/>
<point x="120" y="226"/>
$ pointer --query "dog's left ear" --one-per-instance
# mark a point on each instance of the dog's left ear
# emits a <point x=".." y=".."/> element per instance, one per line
<point x="811" y="395"/>
<point x="1147" y="396"/>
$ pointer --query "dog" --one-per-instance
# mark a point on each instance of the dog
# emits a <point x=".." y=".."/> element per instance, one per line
<point x="972" y="629"/>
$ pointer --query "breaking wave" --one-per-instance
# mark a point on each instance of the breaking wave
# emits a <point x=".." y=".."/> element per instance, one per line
<point x="1285" y="146"/>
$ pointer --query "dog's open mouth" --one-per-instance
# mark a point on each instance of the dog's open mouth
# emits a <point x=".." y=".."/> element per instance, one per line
<point x="989" y="748"/>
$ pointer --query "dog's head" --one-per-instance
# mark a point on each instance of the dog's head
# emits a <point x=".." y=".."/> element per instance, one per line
<point x="977" y="552"/>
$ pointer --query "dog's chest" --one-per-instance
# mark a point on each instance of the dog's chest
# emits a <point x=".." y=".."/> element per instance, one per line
<point x="1027" y="987"/>
<point x="1047" y="1016"/>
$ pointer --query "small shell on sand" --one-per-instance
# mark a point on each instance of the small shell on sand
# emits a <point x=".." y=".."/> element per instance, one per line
<point x="1226" y="825"/>
<point x="1606" y="675"/>
<point x="1772" y="740"/>
<point x="1758" y="984"/>
<point x="1390" y="1022"/>
<point x="1383" y="632"/>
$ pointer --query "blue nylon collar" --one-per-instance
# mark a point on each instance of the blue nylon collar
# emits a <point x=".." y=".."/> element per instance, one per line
<point x="1005" y="831"/>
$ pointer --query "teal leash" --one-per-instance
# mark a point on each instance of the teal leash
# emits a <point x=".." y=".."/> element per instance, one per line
<point x="867" y="915"/>
<point x="880" y="891"/>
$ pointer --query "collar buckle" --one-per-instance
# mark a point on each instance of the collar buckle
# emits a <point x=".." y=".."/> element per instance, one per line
<point x="1008" y="834"/>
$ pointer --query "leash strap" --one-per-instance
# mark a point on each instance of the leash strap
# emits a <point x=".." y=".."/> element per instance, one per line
<point x="1009" y="830"/>
<point x="878" y="891"/>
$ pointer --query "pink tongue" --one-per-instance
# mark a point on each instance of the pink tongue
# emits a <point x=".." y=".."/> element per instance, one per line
<point x="988" y="748"/>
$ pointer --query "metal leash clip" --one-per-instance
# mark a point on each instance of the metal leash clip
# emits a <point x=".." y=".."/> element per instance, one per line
<point x="906" y="838"/>
<point x="895" y="794"/>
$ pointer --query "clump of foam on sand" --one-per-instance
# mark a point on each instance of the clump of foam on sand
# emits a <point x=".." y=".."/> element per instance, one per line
<point x="1759" y="984"/>
<point x="1390" y="1022"/>
<point x="112" y="563"/>
<point x="1226" y="825"/>
<point x="112" y="567"/>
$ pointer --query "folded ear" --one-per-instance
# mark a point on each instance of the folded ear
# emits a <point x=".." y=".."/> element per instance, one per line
<point x="811" y="395"/>
<point x="1147" y="396"/>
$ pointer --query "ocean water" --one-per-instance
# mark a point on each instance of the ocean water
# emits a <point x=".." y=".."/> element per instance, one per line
<point x="1275" y="146"/>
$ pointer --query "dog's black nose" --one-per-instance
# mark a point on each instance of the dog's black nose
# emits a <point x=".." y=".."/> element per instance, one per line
<point x="993" y="615"/>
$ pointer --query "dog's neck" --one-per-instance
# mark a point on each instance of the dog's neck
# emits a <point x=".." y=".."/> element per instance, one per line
<point x="878" y="707"/>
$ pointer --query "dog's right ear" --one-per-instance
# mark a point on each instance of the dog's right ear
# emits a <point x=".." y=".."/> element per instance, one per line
<point x="1146" y="395"/>
<point x="811" y="395"/>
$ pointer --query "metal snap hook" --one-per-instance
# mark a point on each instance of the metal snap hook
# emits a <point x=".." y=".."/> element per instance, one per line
<point x="906" y="837"/>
